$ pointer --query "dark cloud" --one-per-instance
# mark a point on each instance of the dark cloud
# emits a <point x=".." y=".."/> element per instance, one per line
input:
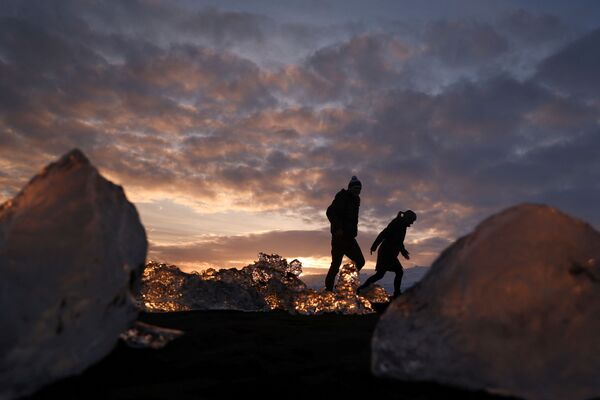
<point x="366" y="60"/>
<point x="533" y="28"/>
<point x="485" y="110"/>
<point x="464" y="42"/>
<point x="574" y="69"/>
<point x="227" y="28"/>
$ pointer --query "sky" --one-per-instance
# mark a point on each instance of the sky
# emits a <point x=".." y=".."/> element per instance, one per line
<point x="232" y="124"/>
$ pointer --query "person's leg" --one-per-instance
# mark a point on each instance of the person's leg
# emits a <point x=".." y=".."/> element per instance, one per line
<point x="398" y="279"/>
<point x="337" y="253"/>
<point x="380" y="269"/>
<point x="378" y="275"/>
<point x="354" y="253"/>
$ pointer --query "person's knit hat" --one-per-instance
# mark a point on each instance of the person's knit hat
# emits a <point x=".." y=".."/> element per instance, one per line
<point x="354" y="182"/>
<point x="408" y="215"/>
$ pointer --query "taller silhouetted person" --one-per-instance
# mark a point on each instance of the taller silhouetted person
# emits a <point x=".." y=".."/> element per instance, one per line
<point x="343" y="215"/>
<point x="392" y="243"/>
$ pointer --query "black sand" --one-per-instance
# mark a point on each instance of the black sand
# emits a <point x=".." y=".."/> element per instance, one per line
<point x="228" y="354"/>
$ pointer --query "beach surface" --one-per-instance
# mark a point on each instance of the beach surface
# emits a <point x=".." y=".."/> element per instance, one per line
<point x="251" y="355"/>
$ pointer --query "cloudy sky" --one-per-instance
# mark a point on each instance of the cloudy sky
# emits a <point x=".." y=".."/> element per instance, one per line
<point x="232" y="124"/>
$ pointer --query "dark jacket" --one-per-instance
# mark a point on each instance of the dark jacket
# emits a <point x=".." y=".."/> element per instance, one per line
<point x="343" y="213"/>
<point x="392" y="237"/>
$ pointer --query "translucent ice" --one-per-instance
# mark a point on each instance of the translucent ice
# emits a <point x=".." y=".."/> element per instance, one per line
<point x="167" y="288"/>
<point x="511" y="308"/>
<point x="72" y="248"/>
<point x="271" y="283"/>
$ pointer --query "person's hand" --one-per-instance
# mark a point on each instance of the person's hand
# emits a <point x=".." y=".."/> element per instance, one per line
<point x="405" y="254"/>
<point x="372" y="250"/>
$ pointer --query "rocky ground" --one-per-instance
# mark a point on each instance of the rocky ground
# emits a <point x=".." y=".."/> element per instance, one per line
<point x="227" y="354"/>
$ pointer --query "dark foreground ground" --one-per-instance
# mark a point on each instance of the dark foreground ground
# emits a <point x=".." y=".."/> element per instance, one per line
<point x="229" y="354"/>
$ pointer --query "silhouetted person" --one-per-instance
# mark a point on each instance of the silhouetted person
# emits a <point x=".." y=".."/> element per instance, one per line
<point x="343" y="215"/>
<point x="392" y="243"/>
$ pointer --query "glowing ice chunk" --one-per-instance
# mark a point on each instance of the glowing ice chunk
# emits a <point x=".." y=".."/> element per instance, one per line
<point x="271" y="283"/>
<point x="167" y="288"/>
<point x="72" y="248"/>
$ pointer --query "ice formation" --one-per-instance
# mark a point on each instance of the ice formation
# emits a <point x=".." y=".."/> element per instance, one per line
<point x="343" y="299"/>
<point x="511" y="308"/>
<point x="167" y="288"/>
<point x="271" y="283"/>
<point x="71" y="249"/>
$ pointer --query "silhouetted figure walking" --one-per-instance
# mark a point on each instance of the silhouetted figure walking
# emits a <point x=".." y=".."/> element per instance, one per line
<point x="343" y="215"/>
<point x="392" y="243"/>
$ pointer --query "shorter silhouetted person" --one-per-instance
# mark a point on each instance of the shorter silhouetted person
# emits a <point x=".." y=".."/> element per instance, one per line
<point x="343" y="215"/>
<point x="392" y="244"/>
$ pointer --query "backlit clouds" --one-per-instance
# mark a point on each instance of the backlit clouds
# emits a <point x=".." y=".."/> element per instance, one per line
<point x="255" y="119"/>
<point x="212" y="250"/>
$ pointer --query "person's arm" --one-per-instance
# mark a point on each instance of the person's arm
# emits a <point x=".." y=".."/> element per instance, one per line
<point x="403" y="250"/>
<point x="337" y="223"/>
<point x="382" y="235"/>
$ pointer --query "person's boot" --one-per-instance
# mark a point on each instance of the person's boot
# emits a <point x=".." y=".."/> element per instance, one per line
<point x="362" y="287"/>
<point x="330" y="281"/>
